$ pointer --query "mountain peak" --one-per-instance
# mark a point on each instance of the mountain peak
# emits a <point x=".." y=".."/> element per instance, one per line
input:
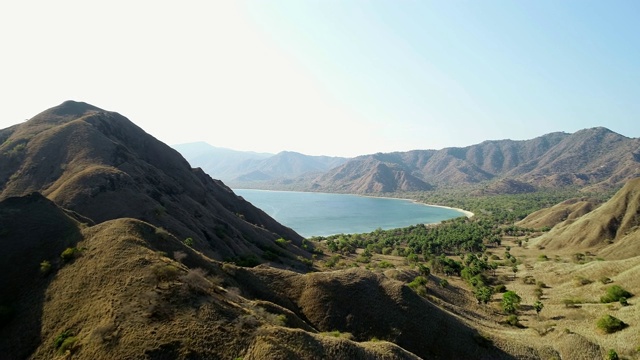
<point x="68" y="108"/>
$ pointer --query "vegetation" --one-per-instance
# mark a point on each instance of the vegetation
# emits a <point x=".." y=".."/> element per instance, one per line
<point x="615" y="293"/>
<point x="69" y="254"/>
<point x="610" y="324"/>
<point x="538" y="306"/>
<point x="513" y="320"/>
<point x="45" y="267"/>
<point x="188" y="241"/>
<point x="510" y="302"/>
<point x="65" y="341"/>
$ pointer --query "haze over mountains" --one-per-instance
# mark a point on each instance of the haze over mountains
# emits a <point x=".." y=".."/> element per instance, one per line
<point x="590" y="157"/>
<point x="111" y="244"/>
<point x="114" y="247"/>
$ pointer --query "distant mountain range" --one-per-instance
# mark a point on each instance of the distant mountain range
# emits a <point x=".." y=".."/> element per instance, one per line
<point x="591" y="157"/>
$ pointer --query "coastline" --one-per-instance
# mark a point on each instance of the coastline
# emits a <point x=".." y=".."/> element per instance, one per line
<point x="466" y="213"/>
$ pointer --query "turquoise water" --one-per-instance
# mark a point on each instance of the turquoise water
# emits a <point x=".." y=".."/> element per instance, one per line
<point x="321" y="214"/>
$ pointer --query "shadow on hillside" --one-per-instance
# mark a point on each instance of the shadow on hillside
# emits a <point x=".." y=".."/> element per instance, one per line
<point x="32" y="230"/>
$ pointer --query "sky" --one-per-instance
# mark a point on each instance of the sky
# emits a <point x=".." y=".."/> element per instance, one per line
<point x="339" y="78"/>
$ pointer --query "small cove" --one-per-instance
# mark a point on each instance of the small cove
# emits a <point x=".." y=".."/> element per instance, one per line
<point x="322" y="214"/>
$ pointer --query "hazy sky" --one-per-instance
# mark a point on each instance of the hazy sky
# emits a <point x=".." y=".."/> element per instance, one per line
<point x="329" y="77"/>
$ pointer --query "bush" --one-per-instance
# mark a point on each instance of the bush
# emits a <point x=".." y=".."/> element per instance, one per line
<point x="510" y="302"/>
<point x="165" y="272"/>
<point x="615" y="293"/>
<point x="69" y="254"/>
<point x="610" y="324"/>
<point x="282" y="242"/>
<point x="581" y="281"/>
<point x="443" y="283"/>
<point x="572" y="303"/>
<point x="60" y="339"/>
<point x="500" y="289"/>
<point x="188" y="241"/>
<point x="68" y="344"/>
<point x="513" y="320"/>
<point x="612" y="355"/>
<point x="45" y="267"/>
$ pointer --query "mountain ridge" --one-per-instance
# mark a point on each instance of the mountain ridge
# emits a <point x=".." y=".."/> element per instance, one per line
<point x="594" y="157"/>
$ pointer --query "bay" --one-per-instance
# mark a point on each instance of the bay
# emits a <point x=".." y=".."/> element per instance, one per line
<point x="322" y="214"/>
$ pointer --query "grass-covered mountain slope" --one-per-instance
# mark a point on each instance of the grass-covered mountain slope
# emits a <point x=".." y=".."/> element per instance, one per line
<point x="100" y="164"/>
<point x="612" y="229"/>
<point x="95" y="264"/>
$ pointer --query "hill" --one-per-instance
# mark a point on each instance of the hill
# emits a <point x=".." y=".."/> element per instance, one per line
<point x="243" y="168"/>
<point x="597" y="158"/>
<point x="94" y="218"/>
<point x="611" y="230"/>
<point x="101" y="165"/>
<point x="131" y="290"/>
<point x="221" y="163"/>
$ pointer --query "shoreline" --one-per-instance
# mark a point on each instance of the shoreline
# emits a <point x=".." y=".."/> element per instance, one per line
<point x="466" y="213"/>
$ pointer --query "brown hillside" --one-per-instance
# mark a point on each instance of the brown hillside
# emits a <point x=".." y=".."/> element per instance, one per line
<point x="568" y="211"/>
<point x="368" y="175"/>
<point x="100" y="164"/>
<point x="122" y="297"/>
<point x="368" y="305"/>
<point x="612" y="228"/>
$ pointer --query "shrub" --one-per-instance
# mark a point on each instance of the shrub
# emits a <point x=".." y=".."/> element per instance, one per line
<point x="162" y="233"/>
<point x="610" y="324"/>
<point x="45" y="267"/>
<point x="68" y="344"/>
<point x="179" y="255"/>
<point x="59" y="340"/>
<point x="513" y="320"/>
<point x="510" y="302"/>
<point x="188" y="241"/>
<point x="443" y="283"/>
<point x="69" y="254"/>
<point x="623" y="301"/>
<point x="572" y="303"/>
<point x="538" y="293"/>
<point x="500" y="289"/>
<point x="615" y="293"/>
<point x="542" y="257"/>
<point x="282" y="242"/>
<point x="196" y="280"/>
<point x="165" y="272"/>
<point x="581" y="281"/>
<point x="417" y="281"/>
<point x="612" y="355"/>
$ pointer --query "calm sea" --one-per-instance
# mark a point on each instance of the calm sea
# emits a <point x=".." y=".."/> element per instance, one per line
<point x="323" y="214"/>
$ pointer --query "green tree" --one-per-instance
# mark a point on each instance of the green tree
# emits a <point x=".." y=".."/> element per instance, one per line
<point x="538" y="306"/>
<point x="510" y="302"/>
<point x="483" y="294"/>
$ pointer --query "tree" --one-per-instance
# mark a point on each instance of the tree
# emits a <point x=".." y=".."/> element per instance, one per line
<point x="483" y="294"/>
<point x="510" y="302"/>
<point x="424" y="270"/>
<point x="538" y="306"/>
